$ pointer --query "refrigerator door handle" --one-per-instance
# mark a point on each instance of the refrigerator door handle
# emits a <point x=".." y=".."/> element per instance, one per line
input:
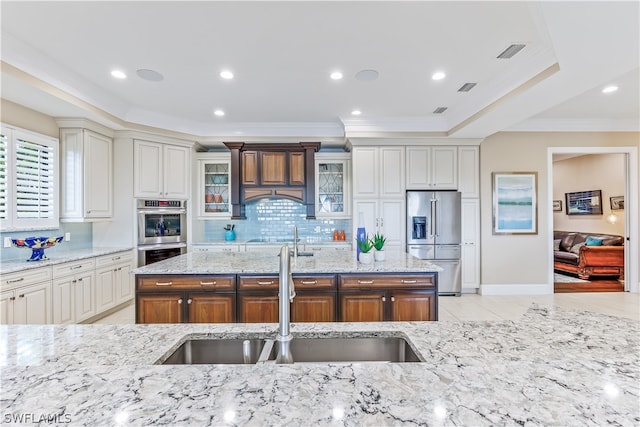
<point x="436" y="225"/>
<point x="433" y="219"/>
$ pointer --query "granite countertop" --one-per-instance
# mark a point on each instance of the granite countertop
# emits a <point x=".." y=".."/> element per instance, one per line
<point x="551" y="367"/>
<point x="57" y="256"/>
<point x="272" y="242"/>
<point x="267" y="262"/>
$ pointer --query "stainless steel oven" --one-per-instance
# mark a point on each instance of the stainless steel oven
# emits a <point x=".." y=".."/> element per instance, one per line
<point x="162" y="229"/>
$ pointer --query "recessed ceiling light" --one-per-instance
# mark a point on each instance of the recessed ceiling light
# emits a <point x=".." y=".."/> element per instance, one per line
<point x="610" y="89"/>
<point x="226" y="74"/>
<point x="439" y="75"/>
<point x="150" y="75"/>
<point x="118" y="74"/>
<point x="219" y="113"/>
<point x="336" y="75"/>
<point x="356" y="112"/>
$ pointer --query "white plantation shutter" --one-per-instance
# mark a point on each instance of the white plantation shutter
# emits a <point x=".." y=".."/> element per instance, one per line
<point x="30" y="171"/>
<point x="4" y="191"/>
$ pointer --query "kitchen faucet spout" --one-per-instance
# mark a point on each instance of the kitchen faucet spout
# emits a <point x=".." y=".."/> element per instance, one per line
<point x="285" y="298"/>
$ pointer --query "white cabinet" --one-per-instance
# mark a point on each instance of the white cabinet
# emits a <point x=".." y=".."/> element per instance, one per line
<point x="378" y="172"/>
<point x="470" y="243"/>
<point x="333" y="195"/>
<point x="161" y="170"/>
<point x="74" y="294"/>
<point x="26" y="297"/>
<point x="432" y="168"/>
<point x="382" y="216"/>
<point x="114" y="284"/>
<point x="86" y="162"/>
<point x="214" y="185"/>
<point x="469" y="171"/>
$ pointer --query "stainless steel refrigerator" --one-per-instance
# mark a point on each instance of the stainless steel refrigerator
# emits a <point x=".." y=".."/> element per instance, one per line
<point x="433" y="233"/>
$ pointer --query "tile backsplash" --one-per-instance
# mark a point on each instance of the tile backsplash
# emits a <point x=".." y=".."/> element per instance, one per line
<point x="273" y="219"/>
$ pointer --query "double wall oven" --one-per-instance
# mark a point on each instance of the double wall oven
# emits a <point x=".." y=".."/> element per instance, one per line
<point x="162" y="230"/>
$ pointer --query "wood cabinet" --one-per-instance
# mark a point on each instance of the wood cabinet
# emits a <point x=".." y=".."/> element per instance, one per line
<point x="161" y="170"/>
<point x="185" y="298"/>
<point x="387" y="297"/>
<point x="432" y="168"/>
<point x="74" y="291"/>
<point x="86" y="162"/>
<point x="258" y="299"/>
<point x="333" y="185"/>
<point x="315" y="299"/>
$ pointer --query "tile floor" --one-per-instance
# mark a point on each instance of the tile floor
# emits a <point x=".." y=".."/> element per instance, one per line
<point x="506" y="307"/>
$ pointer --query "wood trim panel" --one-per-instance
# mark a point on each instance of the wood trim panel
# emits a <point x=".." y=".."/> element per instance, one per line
<point x="296" y="168"/>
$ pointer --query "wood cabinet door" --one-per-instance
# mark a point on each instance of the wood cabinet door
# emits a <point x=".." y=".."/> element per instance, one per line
<point x="362" y="307"/>
<point x="211" y="308"/>
<point x="410" y="307"/>
<point x="273" y="168"/>
<point x="249" y="168"/>
<point x="296" y="168"/>
<point x="166" y="308"/>
<point x="314" y="308"/>
<point x="258" y="308"/>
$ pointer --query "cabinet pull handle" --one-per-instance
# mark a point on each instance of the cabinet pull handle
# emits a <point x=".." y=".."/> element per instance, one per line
<point x="381" y="222"/>
<point x="208" y="283"/>
<point x="21" y="295"/>
<point x="408" y="281"/>
<point x="366" y="282"/>
<point x="261" y="282"/>
<point x="164" y="284"/>
<point x="80" y="279"/>
<point x="115" y="258"/>
<point x="309" y="282"/>
<point x="115" y="269"/>
<point x="12" y="298"/>
<point x="384" y="299"/>
<point x="75" y="267"/>
<point x="189" y="301"/>
<point x="74" y="281"/>
<point x="179" y="300"/>
<point x="16" y="280"/>
<point x="393" y="299"/>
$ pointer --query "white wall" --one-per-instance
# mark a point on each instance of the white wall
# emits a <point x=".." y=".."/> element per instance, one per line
<point x="522" y="260"/>
<point x="25" y="118"/>
<point x="605" y="172"/>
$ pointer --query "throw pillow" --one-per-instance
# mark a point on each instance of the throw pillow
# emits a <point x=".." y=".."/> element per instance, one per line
<point x="593" y="241"/>
<point x="576" y="248"/>
<point x="556" y="244"/>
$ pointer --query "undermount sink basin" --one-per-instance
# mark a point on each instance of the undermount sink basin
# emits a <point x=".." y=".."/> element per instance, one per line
<point x="304" y="350"/>
<point x="215" y="351"/>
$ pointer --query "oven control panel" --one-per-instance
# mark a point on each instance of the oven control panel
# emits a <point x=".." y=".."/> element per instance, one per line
<point x="161" y="203"/>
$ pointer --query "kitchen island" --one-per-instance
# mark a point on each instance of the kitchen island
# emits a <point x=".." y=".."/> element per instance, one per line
<point x="551" y="367"/>
<point x="204" y="287"/>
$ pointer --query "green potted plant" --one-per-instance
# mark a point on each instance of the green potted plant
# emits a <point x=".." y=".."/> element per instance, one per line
<point x="365" y="246"/>
<point x="378" y="241"/>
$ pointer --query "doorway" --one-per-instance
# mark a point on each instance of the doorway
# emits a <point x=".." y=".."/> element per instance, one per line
<point x="627" y="226"/>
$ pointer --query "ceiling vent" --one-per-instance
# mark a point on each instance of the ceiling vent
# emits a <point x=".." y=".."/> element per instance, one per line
<point x="467" y="87"/>
<point x="440" y="110"/>
<point x="509" y="52"/>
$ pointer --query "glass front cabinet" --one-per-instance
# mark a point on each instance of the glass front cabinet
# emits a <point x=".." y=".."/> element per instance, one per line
<point x="214" y="187"/>
<point x="333" y="185"/>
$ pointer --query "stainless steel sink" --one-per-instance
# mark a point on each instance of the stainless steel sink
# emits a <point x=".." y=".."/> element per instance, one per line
<point x="304" y="350"/>
<point x="376" y="349"/>
<point x="216" y="351"/>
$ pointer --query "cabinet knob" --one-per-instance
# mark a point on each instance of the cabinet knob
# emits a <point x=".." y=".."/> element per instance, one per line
<point x="88" y="212"/>
<point x="179" y="300"/>
<point x="12" y="298"/>
<point x="189" y="301"/>
<point x="384" y="299"/>
<point x="393" y="299"/>
<point x="74" y="281"/>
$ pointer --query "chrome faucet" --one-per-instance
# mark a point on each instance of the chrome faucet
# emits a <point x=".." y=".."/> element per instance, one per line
<point x="286" y="294"/>
<point x="295" y="241"/>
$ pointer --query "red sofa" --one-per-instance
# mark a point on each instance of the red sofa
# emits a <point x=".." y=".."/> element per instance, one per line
<point x="572" y="255"/>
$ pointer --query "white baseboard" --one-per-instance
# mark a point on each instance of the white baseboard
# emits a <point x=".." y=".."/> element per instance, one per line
<point x="514" y="289"/>
<point x="470" y="290"/>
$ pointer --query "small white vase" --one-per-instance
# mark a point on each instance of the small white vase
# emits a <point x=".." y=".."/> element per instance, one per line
<point x="366" y="258"/>
<point x="379" y="255"/>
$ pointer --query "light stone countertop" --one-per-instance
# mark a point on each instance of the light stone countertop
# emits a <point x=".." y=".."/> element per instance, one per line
<point x="267" y="262"/>
<point x="56" y="256"/>
<point x="551" y="367"/>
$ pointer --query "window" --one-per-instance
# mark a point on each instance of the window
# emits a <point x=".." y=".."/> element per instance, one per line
<point x="28" y="180"/>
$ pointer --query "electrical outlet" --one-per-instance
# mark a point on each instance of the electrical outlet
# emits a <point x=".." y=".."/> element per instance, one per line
<point x="7" y="242"/>
<point x="67" y="237"/>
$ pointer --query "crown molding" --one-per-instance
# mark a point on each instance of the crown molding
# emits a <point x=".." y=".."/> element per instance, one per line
<point x="576" y="125"/>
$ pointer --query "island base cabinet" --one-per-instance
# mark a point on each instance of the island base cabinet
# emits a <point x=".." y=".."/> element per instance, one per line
<point x="362" y="307"/>
<point x="412" y="307"/>
<point x="313" y="308"/>
<point x="165" y="308"/>
<point x="258" y="308"/>
<point x="205" y="308"/>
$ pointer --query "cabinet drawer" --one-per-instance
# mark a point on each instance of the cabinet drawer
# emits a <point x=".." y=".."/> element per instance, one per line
<point x="258" y="283"/>
<point x="186" y="282"/>
<point x="112" y="259"/>
<point x="70" y="268"/>
<point x="383" y="281"/>
<point x="315" y="282"/>
<point x="26" y="277"/>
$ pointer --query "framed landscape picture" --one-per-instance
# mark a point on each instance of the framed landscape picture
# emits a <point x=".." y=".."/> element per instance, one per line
<point x="617" y="203"/>
<point x="515" y="204"/>
<point x="584" y="202"/>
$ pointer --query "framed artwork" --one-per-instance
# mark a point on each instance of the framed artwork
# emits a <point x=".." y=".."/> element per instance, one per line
<point x="557" y="205"/>
<point x="584" y="203"/>
<point x="617" y="203"/>
<point x="515" y="204"/>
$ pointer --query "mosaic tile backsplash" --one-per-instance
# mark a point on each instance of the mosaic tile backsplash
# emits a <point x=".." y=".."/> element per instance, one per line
<point x="274" y="219"/>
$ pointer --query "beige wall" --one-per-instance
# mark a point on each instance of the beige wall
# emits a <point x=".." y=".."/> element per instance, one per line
<point x="25" y="118"/>
<point x="605" y="172"/>
<point x="513" y="259"/>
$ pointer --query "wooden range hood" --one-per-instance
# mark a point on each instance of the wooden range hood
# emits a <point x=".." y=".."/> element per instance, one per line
<point x="272" y="170"/>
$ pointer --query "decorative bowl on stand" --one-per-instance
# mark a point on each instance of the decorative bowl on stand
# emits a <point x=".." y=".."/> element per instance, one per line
<point x="37" y="245"/>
